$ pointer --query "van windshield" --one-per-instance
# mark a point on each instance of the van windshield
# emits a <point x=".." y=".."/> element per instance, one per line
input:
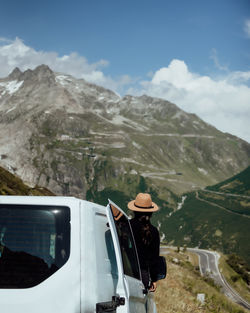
<point x="34" y="243"/>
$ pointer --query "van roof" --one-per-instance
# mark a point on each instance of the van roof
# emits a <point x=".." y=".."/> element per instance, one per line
<point x="46" y="200"/>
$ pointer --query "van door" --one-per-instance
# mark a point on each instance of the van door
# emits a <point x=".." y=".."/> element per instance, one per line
<point x="129" y="281"/>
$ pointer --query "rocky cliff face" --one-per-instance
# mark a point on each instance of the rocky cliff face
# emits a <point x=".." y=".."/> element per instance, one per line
<point x="80" y="139"/>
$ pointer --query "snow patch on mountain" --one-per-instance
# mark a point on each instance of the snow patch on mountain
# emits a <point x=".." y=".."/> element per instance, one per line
<point x="11" y="109"/>
<point x="10" y="87"/>
<point x="202" y="170"/>
<point x="121" y="120"/>
<point x="63" y="80"/>
<point x="179" y="114"/>
<point x="136" y="145"/>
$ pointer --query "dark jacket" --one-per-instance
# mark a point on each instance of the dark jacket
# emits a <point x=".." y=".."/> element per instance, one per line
<point x="148" y="254"/>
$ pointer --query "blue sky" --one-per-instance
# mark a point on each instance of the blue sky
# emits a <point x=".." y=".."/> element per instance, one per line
<point x="141" y="46"/>
<point x="136" y="37"/>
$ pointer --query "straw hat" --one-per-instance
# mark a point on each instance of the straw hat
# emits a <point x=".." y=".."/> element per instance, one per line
<point x="143" y="203"/>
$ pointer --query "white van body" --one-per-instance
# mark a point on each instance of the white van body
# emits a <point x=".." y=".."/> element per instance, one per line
<point x="92" y="270"/>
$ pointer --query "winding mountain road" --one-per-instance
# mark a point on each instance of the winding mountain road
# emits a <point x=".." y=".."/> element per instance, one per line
<point x="226" y="194"/>
<point x="219" y="206"/>
<point x="208" y="263"/>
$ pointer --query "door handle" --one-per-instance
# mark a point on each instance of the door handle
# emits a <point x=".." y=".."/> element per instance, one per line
<point x="110" y="306"/>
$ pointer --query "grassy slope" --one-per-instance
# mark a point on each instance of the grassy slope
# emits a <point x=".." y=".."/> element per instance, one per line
<point x="12" y="185"/>
<point x="239" y="285"/>
<point x="201" y="224"/>
<point x="236" y="204"/>
<point x="238" y="184"/>
<point x="211" y="220"/>
<point x="178" y="292"/>
<point x="206" y="220"/>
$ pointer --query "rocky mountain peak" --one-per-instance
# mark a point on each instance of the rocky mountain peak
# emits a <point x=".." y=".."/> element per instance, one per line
<point x="41" y="74"/>
<point x="43" y="70"/>
<point x="15" y="74"/>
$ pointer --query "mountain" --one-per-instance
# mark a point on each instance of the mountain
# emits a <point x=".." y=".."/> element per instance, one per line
<point x="76" y="138"/>
<point x="217" y="217"/>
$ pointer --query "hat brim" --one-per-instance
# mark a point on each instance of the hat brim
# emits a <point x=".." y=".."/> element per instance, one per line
<point x="132" y="207"/>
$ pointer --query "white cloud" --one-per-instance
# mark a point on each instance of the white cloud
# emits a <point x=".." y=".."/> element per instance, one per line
<point x="247" y="27"/>
<point x="214" y="57"/>
<point x="14" y="53"/>
<point x="5" y="40"/>
<point x="224" y="102"/>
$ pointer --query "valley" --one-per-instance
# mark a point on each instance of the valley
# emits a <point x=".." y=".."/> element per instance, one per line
<point x="79" y="139"/>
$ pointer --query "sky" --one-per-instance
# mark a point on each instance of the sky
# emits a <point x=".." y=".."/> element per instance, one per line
<point x="193" y="53"/>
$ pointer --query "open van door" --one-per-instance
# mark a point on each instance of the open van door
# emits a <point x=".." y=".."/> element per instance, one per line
<point x="129" y="287"/>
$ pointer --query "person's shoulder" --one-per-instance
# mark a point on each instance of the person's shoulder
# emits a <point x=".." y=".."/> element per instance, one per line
<point x="154" y="230"/>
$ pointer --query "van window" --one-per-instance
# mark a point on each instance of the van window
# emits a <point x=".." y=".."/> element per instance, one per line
<point x="34" y="243"/>
<point x="128" y="250"/>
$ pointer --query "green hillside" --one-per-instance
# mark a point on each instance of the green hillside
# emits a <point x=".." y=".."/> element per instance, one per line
<point x="238" y="184"/>
<point x="12" y="185"/>
<point x="206" y="219"/>
<point x="214" y="219"/>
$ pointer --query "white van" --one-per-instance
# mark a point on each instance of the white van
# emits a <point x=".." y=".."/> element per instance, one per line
<point x="66" y="255"/>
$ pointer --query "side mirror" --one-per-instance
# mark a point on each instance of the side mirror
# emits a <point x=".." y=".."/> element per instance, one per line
<point x="162" y="268"/>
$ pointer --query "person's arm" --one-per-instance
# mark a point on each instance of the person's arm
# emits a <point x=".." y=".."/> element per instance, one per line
<point x="153" y="264"/>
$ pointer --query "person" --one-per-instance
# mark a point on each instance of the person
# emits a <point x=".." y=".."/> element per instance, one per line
<point x="146" y="237"/>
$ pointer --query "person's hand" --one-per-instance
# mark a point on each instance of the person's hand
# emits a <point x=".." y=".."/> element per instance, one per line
<point x="153" y="287"/>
